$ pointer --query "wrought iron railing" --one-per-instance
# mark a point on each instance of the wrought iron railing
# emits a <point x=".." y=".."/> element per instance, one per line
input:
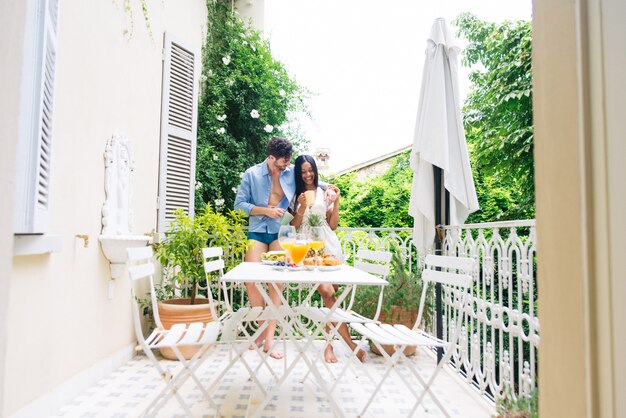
<point x="498" y="349"/>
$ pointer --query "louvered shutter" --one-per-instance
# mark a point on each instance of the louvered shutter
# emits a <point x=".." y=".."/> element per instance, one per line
<point x="32" y="216"/>
<point x="179" y="113"/>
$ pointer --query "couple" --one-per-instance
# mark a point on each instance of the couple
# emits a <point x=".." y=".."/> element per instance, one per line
<point x="266" y="192"/>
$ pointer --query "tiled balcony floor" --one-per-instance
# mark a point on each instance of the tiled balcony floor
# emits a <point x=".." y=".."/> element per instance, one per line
<point x="128" y="390"/>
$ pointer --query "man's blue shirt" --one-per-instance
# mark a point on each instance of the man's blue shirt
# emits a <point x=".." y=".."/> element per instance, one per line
<point x="254" y="190"/>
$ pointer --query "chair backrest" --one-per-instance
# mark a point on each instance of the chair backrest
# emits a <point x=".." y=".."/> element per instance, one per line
<point x="141" y="267"/>
<point x="455" y="272"/>
<point x="374" y="262"/>
<point x="213" y="262"/>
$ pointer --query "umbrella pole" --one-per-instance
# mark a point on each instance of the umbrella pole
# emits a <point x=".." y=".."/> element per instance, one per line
<point x="442" y="217"/>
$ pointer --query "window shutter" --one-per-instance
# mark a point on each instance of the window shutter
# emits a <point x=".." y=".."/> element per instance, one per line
<point x="32" y="216"/>
<point x="179" y="114"/>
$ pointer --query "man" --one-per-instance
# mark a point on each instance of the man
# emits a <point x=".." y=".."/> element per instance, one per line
<point x="264" y="195"/>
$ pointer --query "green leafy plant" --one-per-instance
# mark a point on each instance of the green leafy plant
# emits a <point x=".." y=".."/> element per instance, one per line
<point x="401" y="296"/>
<point x="518" y="407"/>
<point x="246" y="97"/>
<point x="180" y="251"/>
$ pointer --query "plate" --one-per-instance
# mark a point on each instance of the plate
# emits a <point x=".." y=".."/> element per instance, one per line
<point x="268" y="262"/>
<point x="297" y="268"/>
<point x="329" y="268"/>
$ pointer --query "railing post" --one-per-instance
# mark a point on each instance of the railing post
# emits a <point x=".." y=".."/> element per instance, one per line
<point x="442" y="216"/>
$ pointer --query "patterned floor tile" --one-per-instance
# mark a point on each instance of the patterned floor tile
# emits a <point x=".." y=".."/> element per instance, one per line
<point x="127" y="391"/>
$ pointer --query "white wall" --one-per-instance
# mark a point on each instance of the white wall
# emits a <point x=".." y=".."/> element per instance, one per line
<point x="12" y="17"/>
<point x="579" y="110"/>
<point x="60" y="320"/>
<point x="614" y="32"/>
<point x="252" y="10"/>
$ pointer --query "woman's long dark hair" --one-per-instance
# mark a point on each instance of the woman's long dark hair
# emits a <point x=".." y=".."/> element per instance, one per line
<point x="298" y="172"/>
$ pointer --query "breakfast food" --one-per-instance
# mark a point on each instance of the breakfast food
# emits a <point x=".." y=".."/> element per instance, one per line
<point x="273" y="256"/>
<point x="330" y="260"/>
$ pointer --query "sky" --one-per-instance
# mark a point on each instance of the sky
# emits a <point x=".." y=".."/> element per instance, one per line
<point x="362" y="60"/>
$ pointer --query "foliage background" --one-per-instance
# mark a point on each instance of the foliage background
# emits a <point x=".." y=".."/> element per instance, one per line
<point x="239" y="76"/>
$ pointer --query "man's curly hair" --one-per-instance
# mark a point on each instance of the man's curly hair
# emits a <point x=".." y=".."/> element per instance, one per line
<point x="279" y="148"/>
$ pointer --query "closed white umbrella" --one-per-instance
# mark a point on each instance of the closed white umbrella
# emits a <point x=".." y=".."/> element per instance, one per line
<point x="439" y="140"/>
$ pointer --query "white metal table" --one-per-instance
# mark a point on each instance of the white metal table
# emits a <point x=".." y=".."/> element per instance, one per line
<point x="288" y="317"/>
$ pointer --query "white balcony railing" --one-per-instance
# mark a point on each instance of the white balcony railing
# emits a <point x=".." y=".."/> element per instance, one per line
<point x="497" y="353"/>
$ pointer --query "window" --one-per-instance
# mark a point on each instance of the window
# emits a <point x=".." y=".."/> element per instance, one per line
<point x="179" y="114"/>
<point x="36" y="118"/>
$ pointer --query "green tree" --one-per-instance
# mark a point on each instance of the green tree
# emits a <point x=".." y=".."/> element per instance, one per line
<point x="381" y="201"/>
<point x="498" y="116"/>
<point x="246" y="98"/>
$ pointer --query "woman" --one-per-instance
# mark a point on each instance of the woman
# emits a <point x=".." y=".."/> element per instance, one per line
<point x="327" y="206"/>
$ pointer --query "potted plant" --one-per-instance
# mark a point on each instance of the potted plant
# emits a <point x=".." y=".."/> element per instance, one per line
<point x="400" y="301"/>
<point x="180" y="254"/>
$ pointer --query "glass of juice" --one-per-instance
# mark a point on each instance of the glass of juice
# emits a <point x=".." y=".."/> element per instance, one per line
<point x="299" y="249"/>
<point x="316" y="241"/>
<point x="286" y="238"/>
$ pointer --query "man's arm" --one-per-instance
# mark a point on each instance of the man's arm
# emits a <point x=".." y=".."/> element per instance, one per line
<point x="244" y="195"/>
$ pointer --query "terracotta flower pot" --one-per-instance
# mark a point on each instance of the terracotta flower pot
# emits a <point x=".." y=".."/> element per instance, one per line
<point x="180" y="311"/>
<point x="397" y="315"/>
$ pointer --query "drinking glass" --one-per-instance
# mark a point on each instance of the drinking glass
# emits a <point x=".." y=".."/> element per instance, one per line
<point x="286" y="238"/>
<point x="299" y="249"/>
<point x="316" y="241"/>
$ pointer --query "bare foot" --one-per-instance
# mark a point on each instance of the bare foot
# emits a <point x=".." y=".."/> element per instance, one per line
<point x="269" y="349"/>
<point x="329" y="354"/>
<point x="258" y="343"/>
<point x="361" y="354"/>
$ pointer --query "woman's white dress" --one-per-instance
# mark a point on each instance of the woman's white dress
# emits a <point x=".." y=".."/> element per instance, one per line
<point x="331" y="242"/>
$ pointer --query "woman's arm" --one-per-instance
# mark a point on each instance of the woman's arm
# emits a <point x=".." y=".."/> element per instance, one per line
<point x="300" y="207"/>
<point x="332" y="216"/>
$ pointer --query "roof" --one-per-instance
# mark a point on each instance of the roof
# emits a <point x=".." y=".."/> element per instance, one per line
<point x="372" y="161"/>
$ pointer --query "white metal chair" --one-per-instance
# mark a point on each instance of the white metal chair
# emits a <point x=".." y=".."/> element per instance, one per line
<point x="458" y="280"/>
<point x="203" y="336"/>
<point x="374" y="262"/>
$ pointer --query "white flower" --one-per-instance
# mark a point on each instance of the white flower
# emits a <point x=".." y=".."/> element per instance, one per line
<point x="198" y="185"/>
<point x="253" y="48"/>
<point x="226" y="60"/>
<point x="230" y="82"/>
<point x="221" y="118"/>
<point x="203" y="78"/>
<point x="219" y="203"/>
<point x="221" y="131"/>
<point x="240" y="175"/>
<point x="282" y="92"/>
<point x="245" y="42"/>
<point x="215" y="157"/>
<point x="268" y="128"/>
<point x="210" y="73"/>
<point x="234" y="190"/>
<point x="254" y="114"/>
